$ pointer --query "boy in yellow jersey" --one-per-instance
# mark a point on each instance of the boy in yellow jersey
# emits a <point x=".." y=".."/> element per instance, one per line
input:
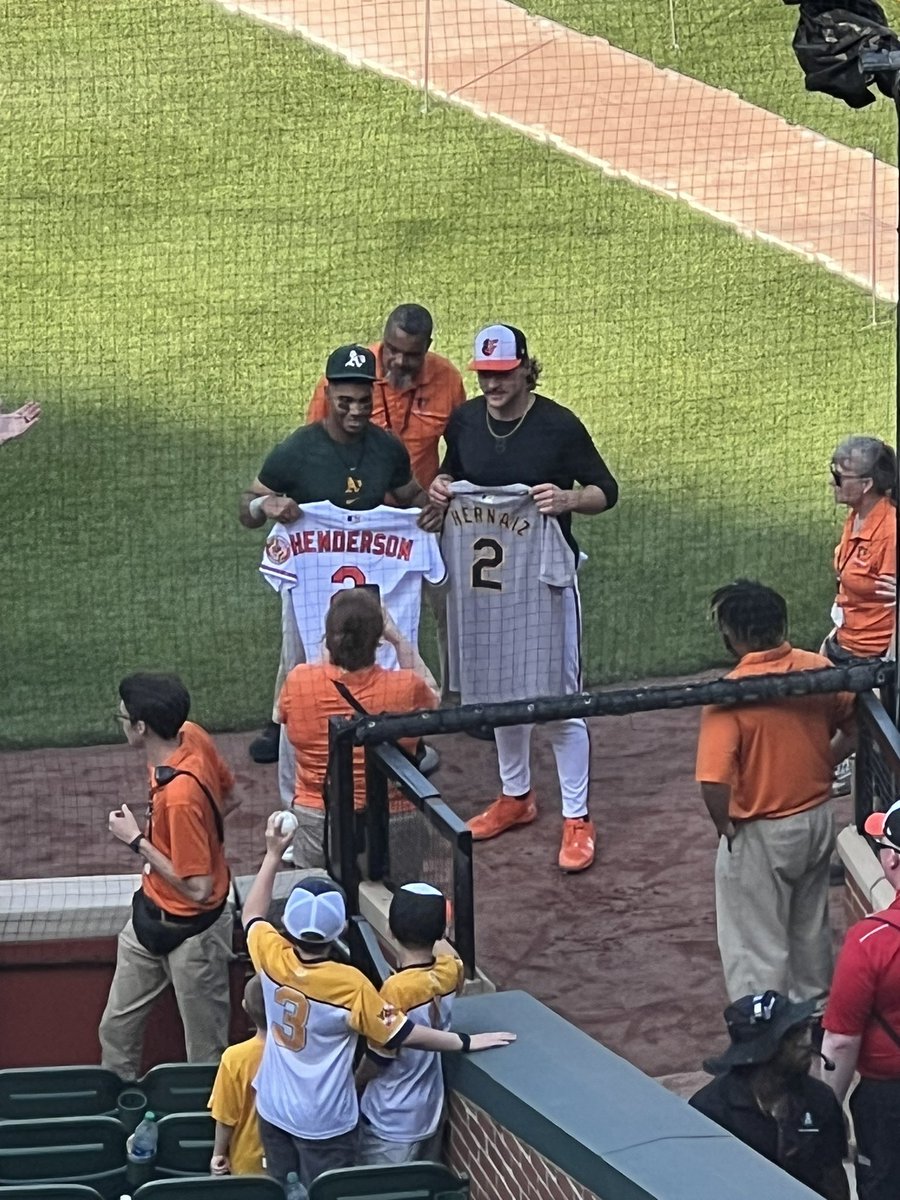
<point x="315" y="1008"/>
<point x="402" y="1107"/>
<point x="237" y="1149"/>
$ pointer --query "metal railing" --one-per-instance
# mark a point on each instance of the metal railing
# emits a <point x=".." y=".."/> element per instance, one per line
<point x="877" y="760"/>
<point x="406" y="832"/>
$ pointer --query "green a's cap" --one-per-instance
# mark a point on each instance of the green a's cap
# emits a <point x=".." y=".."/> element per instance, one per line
<point x="353" y="362"/>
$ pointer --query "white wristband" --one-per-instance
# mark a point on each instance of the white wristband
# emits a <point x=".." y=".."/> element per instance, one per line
<point x="256" y="506"/>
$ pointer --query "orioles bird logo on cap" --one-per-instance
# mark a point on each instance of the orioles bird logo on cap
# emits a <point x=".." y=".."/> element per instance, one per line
<point x="489" y="345"/>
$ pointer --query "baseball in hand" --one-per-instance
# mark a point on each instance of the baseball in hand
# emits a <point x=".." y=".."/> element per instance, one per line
<point x="286" y="822"/>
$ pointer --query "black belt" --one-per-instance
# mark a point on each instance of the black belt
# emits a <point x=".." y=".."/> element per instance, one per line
<point x="155" y="913"/>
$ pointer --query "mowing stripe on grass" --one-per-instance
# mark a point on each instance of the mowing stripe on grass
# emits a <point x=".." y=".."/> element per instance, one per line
<point x="658" y="129"/>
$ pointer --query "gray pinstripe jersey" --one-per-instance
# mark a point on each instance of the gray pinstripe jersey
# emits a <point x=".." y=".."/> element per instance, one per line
<point x="507" y="566"/>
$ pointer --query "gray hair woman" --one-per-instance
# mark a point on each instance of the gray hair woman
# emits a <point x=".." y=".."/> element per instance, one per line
<point x="864" y="478"/>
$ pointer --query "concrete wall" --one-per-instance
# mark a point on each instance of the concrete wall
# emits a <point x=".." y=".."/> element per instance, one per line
<point x="865" y="889"/>
<point x="557" y="1116"/>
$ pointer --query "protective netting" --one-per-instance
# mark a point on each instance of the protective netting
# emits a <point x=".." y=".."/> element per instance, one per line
<point x="416" y="850"/>
<point x="201" y="200"/>
<point x="877" y="766"/>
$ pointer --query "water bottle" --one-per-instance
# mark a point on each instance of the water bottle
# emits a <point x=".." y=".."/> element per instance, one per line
<point x="294" y="1189"/>
<point x="143" y="1140"/>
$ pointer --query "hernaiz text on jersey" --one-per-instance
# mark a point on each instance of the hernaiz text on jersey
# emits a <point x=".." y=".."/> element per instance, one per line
<point x="480" y="514"/>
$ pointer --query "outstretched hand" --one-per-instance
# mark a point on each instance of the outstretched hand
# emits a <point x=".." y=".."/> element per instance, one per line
<point x="487" y="1041"/>
<point x="14" y="424"/>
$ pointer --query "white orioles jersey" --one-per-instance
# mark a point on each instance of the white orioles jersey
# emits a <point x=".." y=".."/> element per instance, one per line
<point x="330" y="548"/>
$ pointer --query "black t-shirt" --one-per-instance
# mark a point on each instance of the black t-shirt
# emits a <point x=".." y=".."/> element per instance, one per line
<point x="808" y="1142"/>
<point x="550" y="446"/>
<point x="310" y="466"/>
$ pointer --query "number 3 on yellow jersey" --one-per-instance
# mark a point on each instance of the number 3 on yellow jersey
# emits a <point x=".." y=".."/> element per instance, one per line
<point x="290" y="1032"/>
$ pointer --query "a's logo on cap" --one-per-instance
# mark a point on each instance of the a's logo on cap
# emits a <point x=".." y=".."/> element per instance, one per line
<point x="355" y="360"/>
<point x="278" y="550"/>
<point x="489" y="345"/>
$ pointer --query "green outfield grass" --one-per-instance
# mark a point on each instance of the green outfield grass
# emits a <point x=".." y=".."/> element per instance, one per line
<point x="742" y="45"/>
<point x="196" y="210"/>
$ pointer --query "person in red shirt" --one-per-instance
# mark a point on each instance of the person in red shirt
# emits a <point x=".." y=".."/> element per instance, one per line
<point x="765" y="775"/>
<point x="180" y="931"/>
<point x="862" y="1026"/>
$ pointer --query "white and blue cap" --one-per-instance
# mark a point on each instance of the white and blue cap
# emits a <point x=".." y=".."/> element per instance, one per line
<point x="315" y="911"/>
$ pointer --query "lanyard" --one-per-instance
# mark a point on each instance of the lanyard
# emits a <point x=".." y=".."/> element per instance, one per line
<point x="388" y="423"/>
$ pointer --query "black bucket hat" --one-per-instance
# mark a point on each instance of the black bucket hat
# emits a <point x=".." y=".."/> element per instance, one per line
<point x="756" y="1025"/>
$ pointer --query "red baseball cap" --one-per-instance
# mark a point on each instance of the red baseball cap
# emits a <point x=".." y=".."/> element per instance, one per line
<point x="499" y="348"/>
<point x="885" y="826"/>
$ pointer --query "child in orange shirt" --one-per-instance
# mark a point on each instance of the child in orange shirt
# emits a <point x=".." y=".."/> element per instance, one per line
<point x="237" y="1149"/>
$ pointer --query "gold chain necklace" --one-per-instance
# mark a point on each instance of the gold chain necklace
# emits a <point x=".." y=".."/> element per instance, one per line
<point x="500" y="439"/>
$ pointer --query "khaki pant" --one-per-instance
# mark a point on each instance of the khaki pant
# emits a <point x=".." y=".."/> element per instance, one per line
<point x="374" y="1150"/>
<point x="309" y="840"/>
<point x="197" y="970"/>
<point x="772" y="906"/>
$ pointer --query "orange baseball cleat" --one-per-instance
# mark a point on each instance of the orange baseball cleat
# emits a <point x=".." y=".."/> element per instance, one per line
<point x="578" y="844"/>
<point x="505" y="813"/>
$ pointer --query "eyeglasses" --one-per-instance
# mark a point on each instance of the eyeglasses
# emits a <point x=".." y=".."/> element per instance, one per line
<point x="122" y="717"/>
<point x="840" y="476"/>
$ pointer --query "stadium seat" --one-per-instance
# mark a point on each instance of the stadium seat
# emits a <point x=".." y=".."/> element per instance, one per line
<point x="411" y="1181"/>
<point x="185" y="1144"/>
<point x="178" y="1087"/>
<point x="212" y="1187"/>
<point x="87" y="1150"/>
<point x="49" y="1191"/>
<point x="33" y="1093"/>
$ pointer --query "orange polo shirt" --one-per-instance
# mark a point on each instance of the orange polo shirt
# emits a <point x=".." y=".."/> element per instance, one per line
<point x="859" y="558"/>
<point x="309" y="698"/>
<point x="775" y="755"/>
<point x="417" y="416"/>
<point x="183" y="828"/>
<point x="196" y="740"/>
